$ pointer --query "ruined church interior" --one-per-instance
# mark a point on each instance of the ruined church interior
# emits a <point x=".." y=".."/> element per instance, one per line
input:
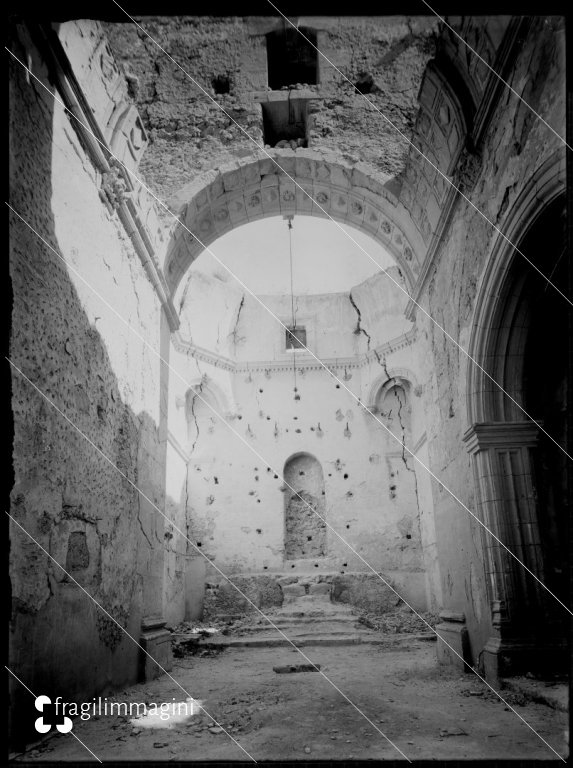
<point x="289" y="356"/>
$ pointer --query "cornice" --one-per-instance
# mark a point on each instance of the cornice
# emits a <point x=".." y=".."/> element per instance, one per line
<point x="306" y="363"/>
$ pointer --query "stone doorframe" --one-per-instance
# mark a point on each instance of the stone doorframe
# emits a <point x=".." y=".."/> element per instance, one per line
<point x="502" y="442"/>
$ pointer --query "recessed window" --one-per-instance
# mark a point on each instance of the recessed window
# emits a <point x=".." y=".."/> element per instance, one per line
<point x="295" y="337"/>
<point x="285" y="122"/>
<point x="291" y="59"/>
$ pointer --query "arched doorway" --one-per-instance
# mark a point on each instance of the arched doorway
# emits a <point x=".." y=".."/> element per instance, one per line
<point x="521" y="475"/>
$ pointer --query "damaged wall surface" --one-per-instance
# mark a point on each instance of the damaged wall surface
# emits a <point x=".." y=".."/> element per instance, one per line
<point x="160" y="426"/>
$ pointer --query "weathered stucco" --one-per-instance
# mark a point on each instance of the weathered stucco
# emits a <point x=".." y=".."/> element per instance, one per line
<point x="119" y="248"/>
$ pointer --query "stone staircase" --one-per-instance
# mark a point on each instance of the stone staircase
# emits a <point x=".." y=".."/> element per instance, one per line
<point x="307" y="617"/>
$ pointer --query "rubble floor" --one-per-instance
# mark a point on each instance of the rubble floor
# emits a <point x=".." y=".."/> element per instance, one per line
<point x="429" y="713"/>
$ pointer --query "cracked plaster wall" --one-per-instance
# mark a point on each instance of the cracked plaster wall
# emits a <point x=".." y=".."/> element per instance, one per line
<point x="236" y="504"/>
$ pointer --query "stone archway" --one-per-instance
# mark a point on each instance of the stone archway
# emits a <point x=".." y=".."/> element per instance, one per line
<point x="514" y="322"/>
<point x="257" y="187"/>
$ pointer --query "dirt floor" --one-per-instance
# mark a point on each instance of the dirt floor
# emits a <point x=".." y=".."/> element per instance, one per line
<point x="426" y="712"/>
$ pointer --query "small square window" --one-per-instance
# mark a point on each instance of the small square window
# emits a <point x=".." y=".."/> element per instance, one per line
<point x="295" y="337"/>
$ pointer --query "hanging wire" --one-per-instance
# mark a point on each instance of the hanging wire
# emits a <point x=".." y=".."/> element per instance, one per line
<point x="293" y="325"/>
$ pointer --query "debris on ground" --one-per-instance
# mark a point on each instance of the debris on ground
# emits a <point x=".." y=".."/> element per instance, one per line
<point x="288" y="668"/>
<point x="401" y="620"/>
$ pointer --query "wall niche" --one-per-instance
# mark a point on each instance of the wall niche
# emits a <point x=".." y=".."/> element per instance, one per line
<point x="305" y="532"/>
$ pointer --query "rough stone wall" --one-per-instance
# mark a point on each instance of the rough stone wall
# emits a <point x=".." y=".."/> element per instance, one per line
<point x="69" y="498"/>
<point x="305" y="532"/>
<point x="516" y="144"/>
<point x="188" y="132"/>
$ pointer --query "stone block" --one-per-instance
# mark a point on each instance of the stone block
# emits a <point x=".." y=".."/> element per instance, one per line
<point x="319" y="589"/>
<point x="290" y="591"/>
<point x="457" y="651"/>
<point x="155" y="640"/>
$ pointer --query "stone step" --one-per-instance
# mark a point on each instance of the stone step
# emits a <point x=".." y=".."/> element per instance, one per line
<point x="327" y="639"/>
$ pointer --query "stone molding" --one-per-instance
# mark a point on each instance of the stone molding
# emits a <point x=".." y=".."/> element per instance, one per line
<point x="118" y="187"/>
<point x="186" y="347"/>
<point x="258" y="186"/>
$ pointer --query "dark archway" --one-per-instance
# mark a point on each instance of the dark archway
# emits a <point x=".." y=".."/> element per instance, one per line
<point x="522" y="476"/>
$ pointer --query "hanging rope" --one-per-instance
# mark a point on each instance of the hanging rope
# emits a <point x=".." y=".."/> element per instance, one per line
<point x="293" y="320"/>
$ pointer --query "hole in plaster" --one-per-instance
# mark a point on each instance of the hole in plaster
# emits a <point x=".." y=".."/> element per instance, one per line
<point x="297" y="430"/>
<point x="268" y="418"/>
<point x="316" y="565"/>
<point x="347" y="525"/>
<point x="258" y="501"/>
<point x="365" y="83"/>
<point x="221" y="84"/>
<point x="309" y="538"/>
<point x="346" y="476"/>
<point x="259" y="530"/>
<point x="198" y="543"/>
<point x="239" y="417"/>
<point x="216" y="480"/>
<point x="338" y="386"/>
<point x="292" y="566"/>
<point x="301" y="472"/>
<point x="408" y="535"/>
<point x="276" y="477"/>
<point x="345" y="565"/>
<point x="100" y="412"/>
<point x="261" y="391"/>
<point x="257" y="478"/>
<point x="295" y="418"/>
<point x="265" y="567"/>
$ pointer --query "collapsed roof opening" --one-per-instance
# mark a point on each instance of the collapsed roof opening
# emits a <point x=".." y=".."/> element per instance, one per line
<point x="292" y="59"/>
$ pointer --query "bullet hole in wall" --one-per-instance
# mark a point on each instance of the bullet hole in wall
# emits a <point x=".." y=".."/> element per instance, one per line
<point x="338" y="386"/>
<point x="198" y="543"/>
<point x="344" y="565"/>
<point x="345" y="476"/>
<point x="265" y="567"/>
<point x="298" y="431"/>
<point x="259" y="530"/>
<point x="408" y="535"/>
<point x="347" y="525"/>
<point x="261" y="391"/>
<point x="316" y="565"/>
<point x="276" y="477"/>
<point x="239" y="417"/>
<point x="257" y="478"/>
<point x="309" y="538"/>
<point x="258" y="501"/>
<point x="292" y="566"/>
<point x="301" y="472"/>
<point x="216" y="480"/>
<point x="251" y="493"/>
<point x="268" y="418"/>
<point x="392" y="487"/>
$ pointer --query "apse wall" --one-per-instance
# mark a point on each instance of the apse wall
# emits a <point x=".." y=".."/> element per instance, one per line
<point x="235" y="506"/>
